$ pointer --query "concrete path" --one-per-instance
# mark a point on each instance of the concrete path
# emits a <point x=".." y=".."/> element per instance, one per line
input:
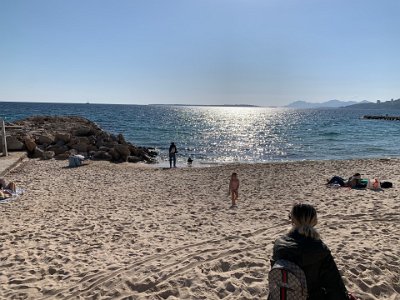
<point x="10" y="161"/>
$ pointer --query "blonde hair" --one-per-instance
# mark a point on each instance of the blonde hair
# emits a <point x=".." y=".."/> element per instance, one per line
<point x="304" y="218"/>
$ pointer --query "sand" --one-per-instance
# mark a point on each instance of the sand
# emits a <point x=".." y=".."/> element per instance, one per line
<point x="125" y="231"/>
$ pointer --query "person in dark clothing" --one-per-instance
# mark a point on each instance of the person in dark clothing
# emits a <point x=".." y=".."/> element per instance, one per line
<point x="353" y="182"/>
<point x="172" y="155"/>
<point x="302" y="246"/>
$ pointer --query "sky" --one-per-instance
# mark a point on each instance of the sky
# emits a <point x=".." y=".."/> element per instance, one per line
<point x="260" y="52"/>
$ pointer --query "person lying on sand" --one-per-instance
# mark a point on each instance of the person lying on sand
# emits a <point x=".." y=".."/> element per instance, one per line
<point x="353" y="182"/>
<point x="6" y="187"/>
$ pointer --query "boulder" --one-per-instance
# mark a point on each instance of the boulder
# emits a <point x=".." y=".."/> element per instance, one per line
<point x="81" y="147"/>
<point x="121" y="139"/>
<point x="102" y="155"/>
<point x="134" y="159"/>
<point x="45" y="139"/>
<point x="64" y="137"/>
<point x="30" y="144"/>
<point x="92" y="148"/>
<point x="123" y="150"/>
<point x="38" y="153"/>
<point x="62" y="156"/>
<point x="82" y="131"/>
<point x="149" y="159"/>
<point x="13" y="144"/>
<point x="104" y="148"/>
<point x="48" y="155"/>
<point x="113" y="138"/>
<point x="58" y="149"/>
<point x="114" y="154"/>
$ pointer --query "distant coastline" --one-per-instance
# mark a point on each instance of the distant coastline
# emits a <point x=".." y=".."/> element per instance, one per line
<point x="208" y="105"/>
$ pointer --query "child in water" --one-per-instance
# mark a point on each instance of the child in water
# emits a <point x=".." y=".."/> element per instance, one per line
<point x="234" y="189"/>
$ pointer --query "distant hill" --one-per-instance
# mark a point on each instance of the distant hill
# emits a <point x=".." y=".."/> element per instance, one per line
<point x="327" y="104"/>
<point x="392" y="104"/>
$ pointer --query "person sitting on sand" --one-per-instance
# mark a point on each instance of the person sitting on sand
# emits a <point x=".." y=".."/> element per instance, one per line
<point x="234" y="189"/>
<point x="303" y="246"/>
<point x="190" y="161"/>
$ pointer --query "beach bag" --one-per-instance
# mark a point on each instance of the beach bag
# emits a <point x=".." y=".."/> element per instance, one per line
<point x="74" y="161"/>
<point x="386" y="185"/>
<point x="287" y="281"/>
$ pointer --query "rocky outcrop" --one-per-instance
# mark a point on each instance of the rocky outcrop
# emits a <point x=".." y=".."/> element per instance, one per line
<point x="48" y="137"/>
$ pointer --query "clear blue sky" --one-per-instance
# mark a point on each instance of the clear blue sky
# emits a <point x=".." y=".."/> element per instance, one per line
<point x="263" y="52"/>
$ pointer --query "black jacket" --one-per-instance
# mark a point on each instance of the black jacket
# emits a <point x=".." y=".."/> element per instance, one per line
<point x="313" y="256"/>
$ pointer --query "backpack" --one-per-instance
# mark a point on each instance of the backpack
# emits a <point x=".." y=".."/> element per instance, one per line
<point x="287" y="281"/>
<point x="74" y="161"/>
<point x="386" y="185"/>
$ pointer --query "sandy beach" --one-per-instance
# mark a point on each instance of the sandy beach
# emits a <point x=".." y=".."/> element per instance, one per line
<point x="125" y="231"/>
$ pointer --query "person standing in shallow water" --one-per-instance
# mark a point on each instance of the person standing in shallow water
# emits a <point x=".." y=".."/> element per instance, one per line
<point x="172" y="155"/>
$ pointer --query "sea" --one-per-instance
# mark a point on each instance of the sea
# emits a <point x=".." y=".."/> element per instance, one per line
<point x="221" y="135"/>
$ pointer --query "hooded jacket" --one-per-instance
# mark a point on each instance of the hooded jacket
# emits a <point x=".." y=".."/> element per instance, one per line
<point x="313" y="256"/>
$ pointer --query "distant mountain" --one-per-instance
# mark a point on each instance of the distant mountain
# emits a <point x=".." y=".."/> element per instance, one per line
<point x="327" y="104"/>
<point x="392" y="104"/>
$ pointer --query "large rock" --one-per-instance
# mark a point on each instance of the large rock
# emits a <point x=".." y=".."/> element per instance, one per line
<point x="102" y="155"/>
<point x="63" y="136"/>
<point x="123" y="150"/>
<point x="58" y="149"/>
<point x="45" y="139"/>
<point x="121" y="139"/>
<point x="114" y="154"/>
<point x="134" y="159"/>
<point x="30" y="144"/>
<point x="83" y="131"/>
<point x="38" y="153"/>
<point x="13" y="144"/>
<point x="48" y="155"/>
<point x="80" y="147"/>
<point x="73" y="134"/>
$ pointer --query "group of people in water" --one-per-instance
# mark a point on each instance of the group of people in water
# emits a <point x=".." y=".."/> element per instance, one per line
<point x="172" y="151"/>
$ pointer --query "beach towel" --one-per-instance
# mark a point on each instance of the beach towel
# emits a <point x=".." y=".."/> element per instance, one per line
<point x="12" y="197"/>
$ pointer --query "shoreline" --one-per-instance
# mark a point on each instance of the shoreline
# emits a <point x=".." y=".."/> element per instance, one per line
<point x="165" y="164"/>
<point x="123" y="230"/>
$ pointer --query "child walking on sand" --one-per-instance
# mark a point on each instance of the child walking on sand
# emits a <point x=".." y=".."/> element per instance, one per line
<point x="234" y="189"/>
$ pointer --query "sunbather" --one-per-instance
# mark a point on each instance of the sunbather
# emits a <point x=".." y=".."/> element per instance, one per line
<point x="353" y="182"/>
<point x="6" y="187"/>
